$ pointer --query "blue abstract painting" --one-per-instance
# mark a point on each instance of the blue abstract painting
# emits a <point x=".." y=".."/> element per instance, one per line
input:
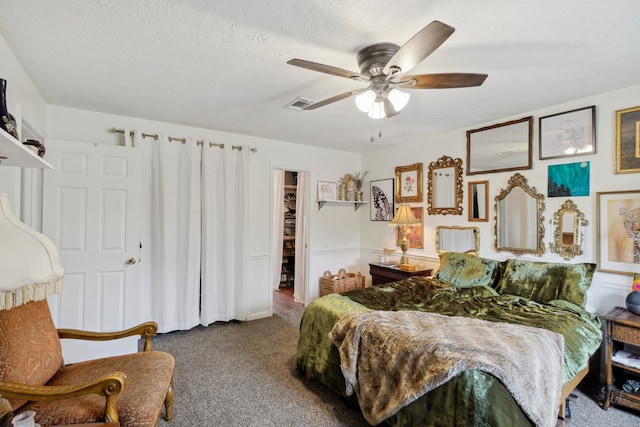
<point x="571" y="179"/>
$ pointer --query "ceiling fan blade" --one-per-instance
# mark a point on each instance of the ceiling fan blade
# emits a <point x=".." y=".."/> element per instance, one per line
<point x="423" y="44"/>
<point x="442" y="81"/>
<point x="333" y="99"/>
<point x="328" y="69"/>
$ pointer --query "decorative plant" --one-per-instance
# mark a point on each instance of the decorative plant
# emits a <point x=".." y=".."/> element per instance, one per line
<point x="359" y="179"/>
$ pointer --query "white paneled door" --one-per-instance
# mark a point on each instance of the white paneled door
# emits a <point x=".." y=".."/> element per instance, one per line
<point x="89" y="211"/>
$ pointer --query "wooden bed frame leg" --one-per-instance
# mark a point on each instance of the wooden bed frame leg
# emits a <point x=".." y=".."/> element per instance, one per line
<point x="562" y="411"/>
<point x="567" y="391"/>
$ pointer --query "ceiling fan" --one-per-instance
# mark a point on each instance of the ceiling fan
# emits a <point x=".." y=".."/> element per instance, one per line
<point x="383" y="66"/>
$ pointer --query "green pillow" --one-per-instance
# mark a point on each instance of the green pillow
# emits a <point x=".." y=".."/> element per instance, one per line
<point x="466" y="270"/>
<point x="547" y="281"/>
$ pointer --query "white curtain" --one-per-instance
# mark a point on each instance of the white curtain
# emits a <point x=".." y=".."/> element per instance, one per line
<point x="301" y="238"/>
<point x="170" y="231"/>
<point x="277" y="213"/>
<point x="225" y="213"/>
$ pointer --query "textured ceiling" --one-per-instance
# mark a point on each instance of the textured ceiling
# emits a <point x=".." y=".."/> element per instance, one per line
<point x="222" y="64"/>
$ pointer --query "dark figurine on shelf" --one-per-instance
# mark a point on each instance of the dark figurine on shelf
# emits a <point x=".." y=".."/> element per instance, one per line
<point x="7" y="122"/>
<point x="36" y="146"/>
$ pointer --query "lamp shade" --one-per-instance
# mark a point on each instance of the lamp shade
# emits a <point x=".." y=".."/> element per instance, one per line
<point x="29" y="262"/>
<point x="398" y="98"/>
<point x="365" y="100"/>
<point x="404" y="216"/>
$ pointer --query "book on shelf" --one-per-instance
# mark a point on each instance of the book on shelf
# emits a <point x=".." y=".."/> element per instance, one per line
<point x="627" y="358"/>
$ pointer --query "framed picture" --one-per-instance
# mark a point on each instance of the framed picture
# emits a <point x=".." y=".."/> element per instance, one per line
<point x="502" y="147"/>
<point x="628" y="140"/>
<point x="327" y="191"/>
<point x="415" y="234"/>
<point x="618" y="231"/>
<point x="409" y="183"/>
<point x="571" y="179"/>
<point x="572" y="133"/>
<point x="478" y="201"/>
<point x="381" y="200"/>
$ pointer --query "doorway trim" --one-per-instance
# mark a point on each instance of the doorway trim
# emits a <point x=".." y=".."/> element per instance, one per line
<point x="304" y="262"/>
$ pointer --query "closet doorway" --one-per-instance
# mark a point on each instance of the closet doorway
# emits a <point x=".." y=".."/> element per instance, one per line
<point x="289" y="239"/>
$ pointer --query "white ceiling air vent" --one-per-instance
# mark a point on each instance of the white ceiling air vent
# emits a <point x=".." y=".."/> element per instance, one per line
<point x="299" y="104"/>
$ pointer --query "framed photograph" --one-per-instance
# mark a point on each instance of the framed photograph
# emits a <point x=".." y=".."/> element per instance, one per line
<point x="572" y="133"/>
<point x="502" y="147"/>
<point x="628" y="140"/>
<point x="568" y="180"/>
<point x="409" y="183"/>
<point x="416" y="233"/>
<point x="618" y="231"/>
<point x="478" y="201"/>
<point x="381" y="200"/>
<point x="327" y="191"/>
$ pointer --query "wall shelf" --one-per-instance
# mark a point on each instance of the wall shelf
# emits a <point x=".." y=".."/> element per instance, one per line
<point x="14" y="153"/>
<point x="357" y="205"/>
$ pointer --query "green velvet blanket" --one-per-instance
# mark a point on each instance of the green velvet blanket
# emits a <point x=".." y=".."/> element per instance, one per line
<point x="473" y="397"/>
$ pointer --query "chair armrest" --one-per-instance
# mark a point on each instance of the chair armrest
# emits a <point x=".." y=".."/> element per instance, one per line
<point x="145" y="330"/>
<point x="109" y="386"/>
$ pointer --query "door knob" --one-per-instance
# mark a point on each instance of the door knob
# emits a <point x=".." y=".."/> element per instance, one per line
<point x="130" y="261"/>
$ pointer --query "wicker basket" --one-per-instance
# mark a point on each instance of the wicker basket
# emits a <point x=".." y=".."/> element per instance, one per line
<point x="341" y="282"/>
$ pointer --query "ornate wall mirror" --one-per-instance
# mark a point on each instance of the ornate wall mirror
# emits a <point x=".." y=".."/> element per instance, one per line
<point x="519" y="226"/>
<point x="445" y="187"/>
<point x="478" y="209"/>
<point x="567" y="236"/>
<point x="457" y="239"/>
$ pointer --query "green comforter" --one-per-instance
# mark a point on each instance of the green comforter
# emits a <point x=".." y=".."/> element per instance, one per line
<point x="472" y="398"/>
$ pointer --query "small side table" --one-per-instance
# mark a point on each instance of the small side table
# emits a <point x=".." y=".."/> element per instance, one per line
<point x="621" y="327"/>
<point x="381" y="273"/>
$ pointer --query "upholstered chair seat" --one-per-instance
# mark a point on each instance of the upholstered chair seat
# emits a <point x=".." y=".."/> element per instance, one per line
<point x="131" y="389"/>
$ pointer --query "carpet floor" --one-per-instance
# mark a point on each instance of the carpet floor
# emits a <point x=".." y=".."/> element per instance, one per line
<point x="241" y="374"/>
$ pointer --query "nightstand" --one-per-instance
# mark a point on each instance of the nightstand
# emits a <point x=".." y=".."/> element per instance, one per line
<point x="381" y="273"/>
<point x="621" y="327"/>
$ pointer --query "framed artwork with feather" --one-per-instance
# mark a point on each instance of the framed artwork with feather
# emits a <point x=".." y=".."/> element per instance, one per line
<point x="382" y="200"/>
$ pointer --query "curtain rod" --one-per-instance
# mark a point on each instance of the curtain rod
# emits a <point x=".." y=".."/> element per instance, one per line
<point x="239" y="148"/>
<point x="183" y="140"/>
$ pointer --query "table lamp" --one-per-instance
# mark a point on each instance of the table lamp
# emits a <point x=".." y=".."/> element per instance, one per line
<point x="404" y="218"/>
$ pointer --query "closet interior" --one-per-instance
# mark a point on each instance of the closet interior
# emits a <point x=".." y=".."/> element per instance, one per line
<point x="287" y="273"/>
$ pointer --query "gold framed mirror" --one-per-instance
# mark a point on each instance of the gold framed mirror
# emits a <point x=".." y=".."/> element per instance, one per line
<point x="454" y="238"/>
<point x="445" y="187"/>
<point x="519" y="224"/>
<point x="567" y="235"/>
<point x="478" y="193"/>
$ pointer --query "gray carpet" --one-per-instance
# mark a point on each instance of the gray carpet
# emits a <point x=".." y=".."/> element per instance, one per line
<point x="241" y="374"/>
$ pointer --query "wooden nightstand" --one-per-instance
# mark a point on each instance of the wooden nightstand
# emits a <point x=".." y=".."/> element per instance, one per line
<point x="621" y="327"/>
<point x="381" y="273"/>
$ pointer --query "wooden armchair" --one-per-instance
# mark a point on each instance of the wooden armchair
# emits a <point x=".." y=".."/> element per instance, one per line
<point x="131" y="389"/>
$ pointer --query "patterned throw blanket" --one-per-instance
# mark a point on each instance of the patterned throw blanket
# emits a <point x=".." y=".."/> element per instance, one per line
<point x="391" y="358"/>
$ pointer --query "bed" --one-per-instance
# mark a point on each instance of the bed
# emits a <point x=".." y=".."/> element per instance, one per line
<point x="517" y="295"/>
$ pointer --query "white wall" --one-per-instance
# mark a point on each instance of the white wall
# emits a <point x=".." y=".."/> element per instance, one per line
<point x="23" y="97"/>
<point x="23" y="101"/>
<point x="334" y="234"/>
<point x="607" y="290"/>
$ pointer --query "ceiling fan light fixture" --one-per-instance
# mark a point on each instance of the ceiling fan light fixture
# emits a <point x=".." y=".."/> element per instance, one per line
<point x="364" y="101"/>
<point x="398" y="98"/>
<point x="377" y="110"/>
